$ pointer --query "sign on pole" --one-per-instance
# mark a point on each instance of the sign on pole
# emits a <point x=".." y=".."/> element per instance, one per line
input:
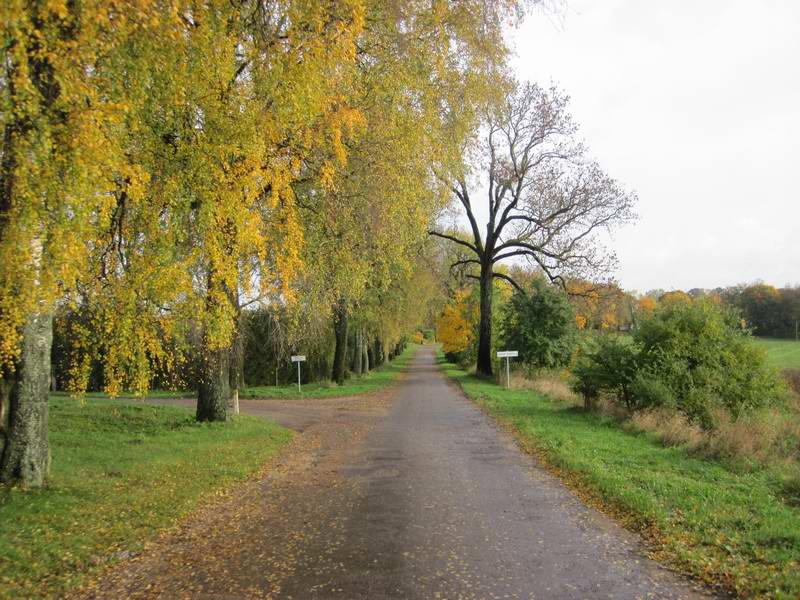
<point x="298" y="358"/>
<point x="507" y="354"/>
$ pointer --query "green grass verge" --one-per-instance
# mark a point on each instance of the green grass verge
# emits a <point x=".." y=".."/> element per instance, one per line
<point x="722" y="526"/>
<point x="120" y="472"/>
<point x="130" y="396"/>
<point x="375" y="380"/>
<point x="781" y="354"/>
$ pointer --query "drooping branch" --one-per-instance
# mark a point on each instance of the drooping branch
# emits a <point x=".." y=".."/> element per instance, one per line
<point x="455" y="240"/>
<point x="505" y="277"/>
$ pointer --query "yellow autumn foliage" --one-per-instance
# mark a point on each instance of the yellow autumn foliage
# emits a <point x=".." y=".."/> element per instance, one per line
<point x="454" y="328"/>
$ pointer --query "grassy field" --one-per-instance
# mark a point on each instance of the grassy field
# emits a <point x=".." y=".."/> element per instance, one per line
<point x="381" y="377"/>
<point x="781" y="354"/>
<point x="738" y="529"/>
<point x="120" y="473"/>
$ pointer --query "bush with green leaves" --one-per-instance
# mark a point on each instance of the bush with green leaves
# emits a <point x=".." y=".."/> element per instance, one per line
<point x="703" y="355"/>
<point x="695" y="357"/>
<point x="540" y="324"/>
<point x="606" y="364"/>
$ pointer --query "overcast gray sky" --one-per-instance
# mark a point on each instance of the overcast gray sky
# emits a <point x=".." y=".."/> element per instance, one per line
<point x="696" y="106"/>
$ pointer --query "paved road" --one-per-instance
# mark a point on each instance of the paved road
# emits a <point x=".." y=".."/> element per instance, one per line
<point x="414" y="495"/>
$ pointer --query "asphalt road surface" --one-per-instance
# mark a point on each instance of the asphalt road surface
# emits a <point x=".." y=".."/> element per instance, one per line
<point x="411" y="494"/>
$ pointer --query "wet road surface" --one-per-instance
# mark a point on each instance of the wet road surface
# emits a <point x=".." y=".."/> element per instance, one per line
<point x="412" y="494"/>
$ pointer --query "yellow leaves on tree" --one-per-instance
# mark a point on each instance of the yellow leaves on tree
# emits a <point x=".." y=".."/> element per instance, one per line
<point x="59" y="115"/>
<point x="647" y="305"/>
<point x="151" y="154"/>
<point x="455" y="327"/>
<point x="597" y="305"/>
<point x="674" y="297"/>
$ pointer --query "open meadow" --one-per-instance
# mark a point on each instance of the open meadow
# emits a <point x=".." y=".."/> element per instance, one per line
<point x="781" y="354"/>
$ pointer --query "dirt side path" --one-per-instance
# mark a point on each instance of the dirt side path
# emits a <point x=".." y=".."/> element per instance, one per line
<point x="415" y="494"/>
<point x="248" y="544"/>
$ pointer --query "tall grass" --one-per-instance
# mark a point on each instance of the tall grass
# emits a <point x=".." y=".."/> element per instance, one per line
<point x="768" y="437"/>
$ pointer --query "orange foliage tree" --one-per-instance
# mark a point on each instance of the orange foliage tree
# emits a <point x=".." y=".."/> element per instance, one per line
<point x="455" y="328"/>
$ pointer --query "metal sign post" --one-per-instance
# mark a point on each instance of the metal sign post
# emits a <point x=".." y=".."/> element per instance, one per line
<point x="298" y="359"/>
<point x="507" y="354"/>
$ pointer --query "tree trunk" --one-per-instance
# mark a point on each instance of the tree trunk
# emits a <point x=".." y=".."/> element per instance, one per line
<point x="237" y="349"/>
<point x="340" y="354"/>
<point x="357" y="354"/>
<point x="25" y="449"/>
<point x="214" y="389"/>
<point x="365" y="362"/>
<point x="378" y="352"/>
<point x="371" y="355"/>
<point x="5" y="399"/>
<point x="484" y="366"/>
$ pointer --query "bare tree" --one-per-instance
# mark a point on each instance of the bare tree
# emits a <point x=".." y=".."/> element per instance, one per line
<point x="546" y="199"/>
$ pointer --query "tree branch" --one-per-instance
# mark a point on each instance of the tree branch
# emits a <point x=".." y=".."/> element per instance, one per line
<point x="456" y="240"/>
<point x="505" y="277"/>
<point x="464" y="197"/>
<point x="465" y="261"/>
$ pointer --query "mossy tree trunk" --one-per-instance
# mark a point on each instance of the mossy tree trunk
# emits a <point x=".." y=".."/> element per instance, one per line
<point x="339" y="371"/>
<point x="214" y="382"/>
<point x="365" y="360"/>
<point x="357" y="353"/>
<point x="214" y="389"/>
<point x="24" y="445"/>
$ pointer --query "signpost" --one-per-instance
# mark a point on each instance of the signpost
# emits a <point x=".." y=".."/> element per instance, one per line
<point x="298" y="359"/>
<point x="507" y="354"/>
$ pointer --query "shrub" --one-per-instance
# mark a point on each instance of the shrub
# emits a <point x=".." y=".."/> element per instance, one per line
<point x="702" y="357"/>
<point x="455" y="328"/>
<point x="649" y="390"/>
<point x="540" y="324"/>
<point x="691" y="356"/>
<point x="606" y="364"/>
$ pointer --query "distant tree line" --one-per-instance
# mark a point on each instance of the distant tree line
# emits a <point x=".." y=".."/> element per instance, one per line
<point x="767" y="310"/>
<point x="771" y="312"/>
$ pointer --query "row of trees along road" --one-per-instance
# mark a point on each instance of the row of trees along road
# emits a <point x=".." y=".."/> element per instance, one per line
<point x="166" y="164"/>
<point x="546" y="198"/>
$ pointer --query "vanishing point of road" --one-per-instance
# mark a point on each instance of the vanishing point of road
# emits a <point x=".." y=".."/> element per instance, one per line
<point x="413" y="493"/>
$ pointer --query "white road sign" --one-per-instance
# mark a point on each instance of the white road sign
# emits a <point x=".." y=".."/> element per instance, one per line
<point x="299" y="358"/>
<point x="508" y="354"/>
